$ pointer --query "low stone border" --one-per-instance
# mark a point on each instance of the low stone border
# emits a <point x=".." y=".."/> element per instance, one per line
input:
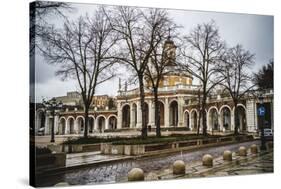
<point x="141" y="149"/>
<point x="49" y="161"/>
<point x="74" y="148"/>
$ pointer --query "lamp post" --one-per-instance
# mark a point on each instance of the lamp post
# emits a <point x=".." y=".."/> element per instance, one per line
<point x="261" y="113"/>
<point x="52" y="105"/>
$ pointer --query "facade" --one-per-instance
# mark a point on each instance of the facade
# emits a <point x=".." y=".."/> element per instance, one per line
<point x="71" y="99"/>
<point x="103" y="102"/>
<point x="178" y="103"/>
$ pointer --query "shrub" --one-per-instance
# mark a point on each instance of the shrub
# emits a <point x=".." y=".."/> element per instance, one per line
<point x="42" y="150"/>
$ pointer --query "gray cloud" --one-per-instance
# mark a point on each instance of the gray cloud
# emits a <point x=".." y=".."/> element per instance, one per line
<point x="43" y="71"/>
<point x="254" y="32"/>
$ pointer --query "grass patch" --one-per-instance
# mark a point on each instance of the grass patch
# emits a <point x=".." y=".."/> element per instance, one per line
<point x="139" y="140"/>
<point x="90" y="140"/>
<point x="162" y="139"/>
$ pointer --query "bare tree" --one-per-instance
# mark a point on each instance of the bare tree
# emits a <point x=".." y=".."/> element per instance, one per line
<point x="39" y="11"/>
<point x="81" y="50"/>
<point x="139" y="33"/>
<point x="199" y="107"/>
<point x="160" y="58"/>
<point x="202" y="52"/>
<point x="234" y="70"/>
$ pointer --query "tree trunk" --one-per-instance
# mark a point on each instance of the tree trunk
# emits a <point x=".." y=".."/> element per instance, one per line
<point x="236" y="119"/>
<point x="86" y="115"/>
<point x="199" y="124"/>
<point x="143" y="114"/>
<point x="204" y="121"/>
<point x="157" y="112"/>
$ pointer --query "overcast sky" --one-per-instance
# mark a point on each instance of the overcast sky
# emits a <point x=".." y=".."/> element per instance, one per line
<point x="254" y="32"/>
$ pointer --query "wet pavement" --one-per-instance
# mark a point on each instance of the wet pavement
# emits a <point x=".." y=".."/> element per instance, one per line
<point x="117" y="171"/>
<point x="86" y="158"/>
<point x="252" y="164"/>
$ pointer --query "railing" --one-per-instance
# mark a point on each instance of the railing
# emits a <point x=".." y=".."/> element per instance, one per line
<point x="162" y="89"/>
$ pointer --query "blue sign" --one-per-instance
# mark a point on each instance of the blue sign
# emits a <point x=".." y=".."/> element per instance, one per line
<point x="261" y="111"/>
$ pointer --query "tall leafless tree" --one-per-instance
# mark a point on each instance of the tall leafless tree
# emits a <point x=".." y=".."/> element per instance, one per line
<point x="81" y="50"/>
<point x="199" y="107"/>
<point x="39" y="12"/>
<point x="237" y="80"/>
<point x="201" y="54"/>
<point x="139" y="33"/>
<point x="159" y="58"/>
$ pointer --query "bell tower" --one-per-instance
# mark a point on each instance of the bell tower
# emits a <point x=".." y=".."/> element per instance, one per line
<point x="170" y="51"/>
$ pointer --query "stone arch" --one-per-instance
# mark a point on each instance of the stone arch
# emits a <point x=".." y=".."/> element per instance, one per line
<point x="62" y="126"/>
<point x="186" y="119"/>
<point x="91" y="123"/>
<point x="194" y="119"/>
<point x="112" y="121"/>
<point x="126" y="116"/>
<point x="173" y="113"/>
<point x="242" y="121"/>
<point x="223" y="106"/>
<point x="240" y="105"/>
<point x="100" y="123"/>
<point x="161" y="105"/>
<point x="162" y="101"/>
<point x="70" y="125"/>
<point x="213" y="118"/>
<point x="125" y="104"/>
<point x="81" y="124"/>
<point x="225" y="116"/>
<point x="40" y="120"/>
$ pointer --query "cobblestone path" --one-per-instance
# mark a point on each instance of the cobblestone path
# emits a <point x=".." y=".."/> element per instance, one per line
<point x="117" y="171"/>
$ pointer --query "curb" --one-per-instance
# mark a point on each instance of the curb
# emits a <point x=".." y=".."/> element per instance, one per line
<point x="55" y="171"/>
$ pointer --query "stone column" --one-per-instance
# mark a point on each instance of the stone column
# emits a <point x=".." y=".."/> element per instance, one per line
<point x="37" y="122"/>
<point x="67" y="127"/>
<point x="95" y="124"/>
<point x="139" y="118"/>
<point x="272" y="114"/>
<point x="151" y="108"/>
<point x="256" y="116"/>
<point x="47" y="125"/>
<point x="180" y="111"/>
<point x="56" y="123"/>
<point x="221" y="128"/>
<point x="106" y="123"/>
<point x="166" y="112"/>
<point x="76" y="128"/>
<point x="198" y="121"/>
<point x="190" y="122"/>
<point x="251" y="116"/>
<point x="208" y="120"/>
<point x="119" y="116"/>
<point x="132" y="116"/>
<point x="232" y="120"/>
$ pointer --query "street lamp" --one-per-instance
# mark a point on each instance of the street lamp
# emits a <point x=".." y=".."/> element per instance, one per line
<point x="261" y="114"/>
<point x="52" y="105"/>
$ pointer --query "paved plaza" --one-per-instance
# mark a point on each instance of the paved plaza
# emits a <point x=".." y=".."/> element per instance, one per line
<point x="156" y="168"/>
<point x="86" y="158"/>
